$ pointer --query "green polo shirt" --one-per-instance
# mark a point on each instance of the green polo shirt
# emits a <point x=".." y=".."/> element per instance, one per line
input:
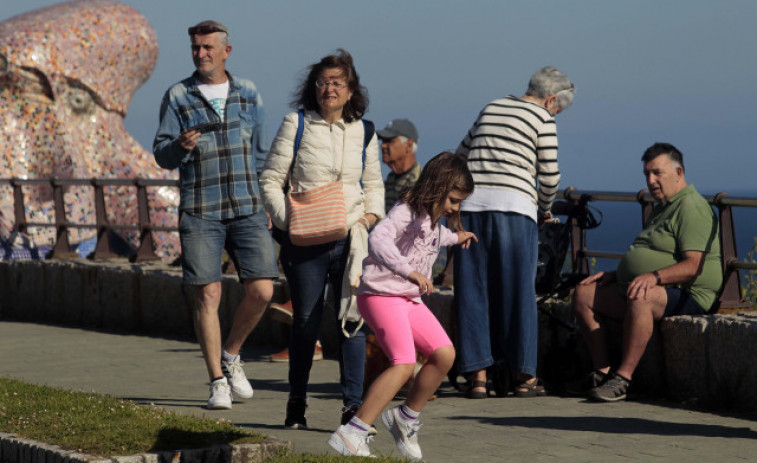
<point x="685" y="223"/>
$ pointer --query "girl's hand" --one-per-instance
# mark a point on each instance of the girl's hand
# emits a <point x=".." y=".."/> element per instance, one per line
<point x="464" y="237"/>
<point x="425" y="285"/>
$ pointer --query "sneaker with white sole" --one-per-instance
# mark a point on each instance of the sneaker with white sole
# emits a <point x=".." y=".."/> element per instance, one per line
<point x="220" y="395"/>
<point x="350" y="443"/>
<point x="615" y="388"/>
<point x="240" y="385"/>
<point x="405" y="433"/>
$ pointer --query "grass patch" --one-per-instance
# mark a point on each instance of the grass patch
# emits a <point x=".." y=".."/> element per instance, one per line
<point x="105" y="426"/>
<point x="101" y="425"/>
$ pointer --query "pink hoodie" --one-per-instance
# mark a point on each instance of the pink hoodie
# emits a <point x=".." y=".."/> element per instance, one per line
<point x="397" y="246"/>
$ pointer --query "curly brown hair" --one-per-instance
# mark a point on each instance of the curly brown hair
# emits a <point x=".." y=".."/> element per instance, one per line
<point x="443" y="173"/>
<point x="305" y="95"/>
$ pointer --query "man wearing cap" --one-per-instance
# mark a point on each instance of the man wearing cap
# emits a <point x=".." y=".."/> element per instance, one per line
<point x="399" y="144"/>
<point x="211" y="127"/>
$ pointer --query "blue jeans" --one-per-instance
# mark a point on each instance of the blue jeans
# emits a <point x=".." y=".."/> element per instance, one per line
<point x="246" y="239"/>
<point x="495" y="295"/>
<point x="308" y="269"/>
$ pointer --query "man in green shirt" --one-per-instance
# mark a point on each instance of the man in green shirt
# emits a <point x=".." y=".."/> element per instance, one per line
<point x="672" y="268"/>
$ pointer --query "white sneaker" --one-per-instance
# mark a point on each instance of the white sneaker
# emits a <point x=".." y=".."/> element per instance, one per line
<point x="350" y="443"/>
<point x="405" y="432"/>
<point x="240" y="385"/>
<point x="220" y="395"/>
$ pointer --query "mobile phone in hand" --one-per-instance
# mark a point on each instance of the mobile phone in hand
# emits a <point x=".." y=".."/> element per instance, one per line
<point x="204" y="128"/>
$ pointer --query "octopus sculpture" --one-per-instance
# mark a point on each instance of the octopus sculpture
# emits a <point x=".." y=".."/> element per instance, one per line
<point x="67" y="75"/>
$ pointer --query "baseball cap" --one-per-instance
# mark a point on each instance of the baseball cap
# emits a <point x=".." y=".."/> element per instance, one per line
<point x="399" y="127"/>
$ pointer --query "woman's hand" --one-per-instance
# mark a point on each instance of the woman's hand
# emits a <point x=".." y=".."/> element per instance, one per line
<point x="368" y="220"/>
<point x="464" y="238"/>
<point x="424" y="284"/>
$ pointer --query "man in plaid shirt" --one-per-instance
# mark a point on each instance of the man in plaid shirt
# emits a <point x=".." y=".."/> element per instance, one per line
<point x="211" y="127"/>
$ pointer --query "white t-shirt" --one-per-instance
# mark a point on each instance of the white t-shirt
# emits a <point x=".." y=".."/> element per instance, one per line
<point x="496" y="199"/>
<point x="216" y="96"/>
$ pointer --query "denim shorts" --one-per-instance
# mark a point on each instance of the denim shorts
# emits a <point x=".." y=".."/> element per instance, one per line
<point x="246" y="239"/>
<point x="680" y="302"/>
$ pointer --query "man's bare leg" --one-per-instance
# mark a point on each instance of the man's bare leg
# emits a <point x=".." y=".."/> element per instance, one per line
<point x="208" y="327"/>
<point x="257" y="294"/>
<point x="638" y="325"/>
<point x="592" y="301"/>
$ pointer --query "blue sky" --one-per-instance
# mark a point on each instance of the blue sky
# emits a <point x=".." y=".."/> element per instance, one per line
<point x="678" y="71"/>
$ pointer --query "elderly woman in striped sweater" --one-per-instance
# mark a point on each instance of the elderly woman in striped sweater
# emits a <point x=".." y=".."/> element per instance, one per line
<point x="512" y="154"/>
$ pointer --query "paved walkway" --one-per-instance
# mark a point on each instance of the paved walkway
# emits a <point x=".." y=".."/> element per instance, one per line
<point x="171" y="374"/>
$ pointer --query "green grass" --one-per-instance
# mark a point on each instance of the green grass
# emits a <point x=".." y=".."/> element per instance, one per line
<point x="105" y="426"/>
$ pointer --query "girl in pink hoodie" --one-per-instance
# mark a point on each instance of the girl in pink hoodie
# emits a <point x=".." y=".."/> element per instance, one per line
<point x="402" y="249"/>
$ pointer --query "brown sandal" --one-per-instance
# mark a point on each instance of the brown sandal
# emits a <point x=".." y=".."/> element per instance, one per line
<point x="474" y="383"/>
<point x="530" y="389"/>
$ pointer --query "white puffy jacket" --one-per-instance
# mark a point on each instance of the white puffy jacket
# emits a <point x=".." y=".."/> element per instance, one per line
<point x="319" y="161"/>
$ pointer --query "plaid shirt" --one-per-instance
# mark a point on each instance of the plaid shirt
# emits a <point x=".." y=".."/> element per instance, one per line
<point x="218" y="178"/>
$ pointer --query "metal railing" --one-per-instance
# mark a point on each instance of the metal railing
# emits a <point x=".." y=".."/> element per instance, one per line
<point x="103" y="249"/>
<point x="730" y="294"/>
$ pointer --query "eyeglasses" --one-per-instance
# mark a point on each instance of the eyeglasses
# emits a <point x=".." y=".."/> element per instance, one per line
<point x="204" y="29"/>
<point x="335" y="84"/>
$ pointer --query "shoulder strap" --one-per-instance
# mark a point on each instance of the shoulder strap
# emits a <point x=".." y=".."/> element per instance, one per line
<point x="297" y="138"/>
<point x="368" y="130"/>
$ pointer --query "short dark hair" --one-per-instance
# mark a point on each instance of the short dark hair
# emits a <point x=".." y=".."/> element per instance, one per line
<point x="663" y="148"/>
<point x="443" y="173"/>
<point x="305" y="95"/>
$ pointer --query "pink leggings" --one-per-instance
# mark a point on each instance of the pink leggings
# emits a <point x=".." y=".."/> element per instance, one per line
<point x="401" y="326"/>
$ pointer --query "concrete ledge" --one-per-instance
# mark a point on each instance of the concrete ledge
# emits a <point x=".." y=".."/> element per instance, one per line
<point x="118" y="296"/>
<point x="19" y="450"/>
<point x="711" y="359"/>
<point x="708" y="359"/>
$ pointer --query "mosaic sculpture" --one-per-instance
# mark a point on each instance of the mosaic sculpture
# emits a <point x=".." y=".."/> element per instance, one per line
<point x="67" y="75"/>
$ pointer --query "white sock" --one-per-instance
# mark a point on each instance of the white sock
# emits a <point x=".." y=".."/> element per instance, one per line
<point x="356" y="426"/>
<point x="227" y="357"/>
<point x="406" y="414"/>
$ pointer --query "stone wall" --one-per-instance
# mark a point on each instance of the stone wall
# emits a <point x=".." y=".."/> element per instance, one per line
<point x="709" y="359"/>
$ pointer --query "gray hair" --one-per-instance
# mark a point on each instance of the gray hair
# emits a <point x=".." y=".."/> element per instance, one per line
<point x="404" y="139"/>
<point x="549" y="81"/>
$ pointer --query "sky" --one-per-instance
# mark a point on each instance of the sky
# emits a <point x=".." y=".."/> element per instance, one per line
<point x="680" y="71"/>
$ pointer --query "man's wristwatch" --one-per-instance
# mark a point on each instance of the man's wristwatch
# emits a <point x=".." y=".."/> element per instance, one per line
<point x="657" y="275"/>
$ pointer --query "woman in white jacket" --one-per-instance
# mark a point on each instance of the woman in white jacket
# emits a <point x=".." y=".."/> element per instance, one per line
<point x="331" y="149"/>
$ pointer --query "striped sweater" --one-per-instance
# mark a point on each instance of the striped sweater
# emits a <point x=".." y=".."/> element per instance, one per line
<point x="512" y="144"/>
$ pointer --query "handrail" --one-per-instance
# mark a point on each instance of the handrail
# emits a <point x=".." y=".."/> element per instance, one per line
<point x="730" y="295"/>
<point x="102" y="225"/>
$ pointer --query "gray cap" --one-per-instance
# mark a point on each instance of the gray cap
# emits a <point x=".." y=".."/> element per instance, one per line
<point x="399" y="127"/>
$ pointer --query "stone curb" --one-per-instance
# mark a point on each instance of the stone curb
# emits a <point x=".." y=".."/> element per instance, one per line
<point x="15" y="449"/>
